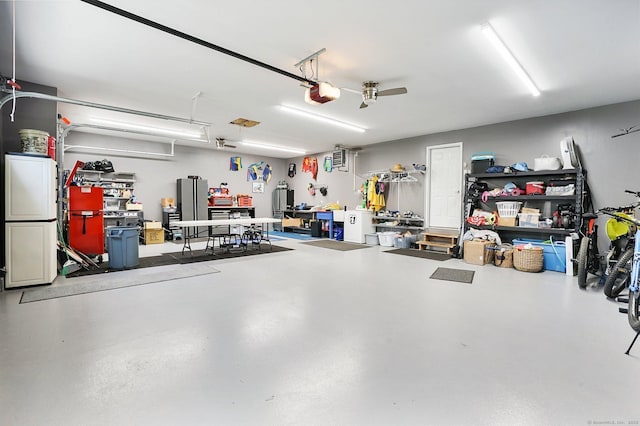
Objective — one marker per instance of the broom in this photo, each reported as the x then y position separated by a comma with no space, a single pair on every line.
67,266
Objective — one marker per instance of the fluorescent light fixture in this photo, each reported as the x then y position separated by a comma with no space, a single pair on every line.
322,118
506,54
272,147
159,130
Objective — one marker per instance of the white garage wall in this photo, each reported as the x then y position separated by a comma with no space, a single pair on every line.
611,163
156,178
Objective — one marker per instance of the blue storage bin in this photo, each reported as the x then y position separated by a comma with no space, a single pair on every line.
554,253
338,233
122,244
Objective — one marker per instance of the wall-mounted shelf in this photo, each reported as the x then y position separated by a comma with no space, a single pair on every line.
387,175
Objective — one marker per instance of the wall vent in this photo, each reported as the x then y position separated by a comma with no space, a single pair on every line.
339,158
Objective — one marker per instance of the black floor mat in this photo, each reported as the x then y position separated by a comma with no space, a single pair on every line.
425,254
178,258
451,274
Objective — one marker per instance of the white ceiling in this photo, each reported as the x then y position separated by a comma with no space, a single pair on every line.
580,53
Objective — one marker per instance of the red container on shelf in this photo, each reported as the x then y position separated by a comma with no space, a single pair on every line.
244,200
535,188
51,147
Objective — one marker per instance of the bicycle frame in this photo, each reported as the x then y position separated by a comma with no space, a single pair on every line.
634,284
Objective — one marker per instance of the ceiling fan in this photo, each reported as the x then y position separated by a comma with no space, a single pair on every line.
370,92
221,143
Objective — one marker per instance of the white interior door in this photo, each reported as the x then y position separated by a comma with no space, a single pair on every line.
444,186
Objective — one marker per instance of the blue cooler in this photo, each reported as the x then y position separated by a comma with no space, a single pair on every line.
554,253
122,245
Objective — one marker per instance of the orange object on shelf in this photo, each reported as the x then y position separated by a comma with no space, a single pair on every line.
244,200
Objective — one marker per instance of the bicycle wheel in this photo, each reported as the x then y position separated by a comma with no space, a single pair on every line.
634,310
618,278
583,261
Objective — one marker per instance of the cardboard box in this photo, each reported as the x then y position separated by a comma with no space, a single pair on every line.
507,221
131,206
152,225
478,252
154,236
296,222
168,202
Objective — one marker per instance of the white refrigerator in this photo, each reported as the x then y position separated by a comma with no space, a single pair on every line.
30,220
357,223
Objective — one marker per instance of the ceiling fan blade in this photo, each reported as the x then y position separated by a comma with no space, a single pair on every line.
396,91
363,105
226,145
626,132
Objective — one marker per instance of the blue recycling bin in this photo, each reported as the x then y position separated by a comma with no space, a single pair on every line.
338,233
122,245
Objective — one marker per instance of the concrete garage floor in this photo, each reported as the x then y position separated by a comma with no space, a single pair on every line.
321,337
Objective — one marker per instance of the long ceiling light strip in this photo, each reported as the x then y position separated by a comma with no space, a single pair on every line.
322,118
506,54
272,147
153,130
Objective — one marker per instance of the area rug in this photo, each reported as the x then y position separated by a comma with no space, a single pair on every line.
177,258
450,274
114,280
425,254
336,245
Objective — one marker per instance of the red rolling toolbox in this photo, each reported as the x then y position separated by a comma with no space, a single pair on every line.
86,223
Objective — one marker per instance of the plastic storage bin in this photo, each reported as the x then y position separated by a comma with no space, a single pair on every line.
386,238
404,241
371,239
123,247
554,253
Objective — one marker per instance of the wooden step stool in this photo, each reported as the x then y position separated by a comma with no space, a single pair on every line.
439,240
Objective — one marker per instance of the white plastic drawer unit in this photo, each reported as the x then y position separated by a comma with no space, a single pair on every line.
30,188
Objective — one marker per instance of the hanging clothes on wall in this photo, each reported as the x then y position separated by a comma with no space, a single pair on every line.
253,170
375,194
363,194
235,164
306,164
328,164
266,173
314,168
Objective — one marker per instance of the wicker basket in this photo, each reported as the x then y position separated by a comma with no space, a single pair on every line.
529,259
503,256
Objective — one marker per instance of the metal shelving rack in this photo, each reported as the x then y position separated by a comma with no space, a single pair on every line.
497,179
119,216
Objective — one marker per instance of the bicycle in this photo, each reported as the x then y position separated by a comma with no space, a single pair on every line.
627,271
620,233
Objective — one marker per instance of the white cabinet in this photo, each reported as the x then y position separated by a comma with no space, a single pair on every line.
30,253
30,192
357,223
30,220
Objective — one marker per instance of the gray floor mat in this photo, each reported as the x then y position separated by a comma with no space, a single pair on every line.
115,280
